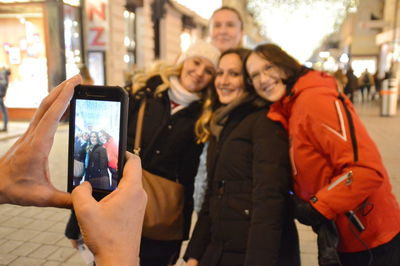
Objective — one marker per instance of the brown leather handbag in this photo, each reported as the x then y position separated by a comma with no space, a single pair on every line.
163,219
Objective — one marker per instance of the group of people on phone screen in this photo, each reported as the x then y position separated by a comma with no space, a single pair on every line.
95,159
265,140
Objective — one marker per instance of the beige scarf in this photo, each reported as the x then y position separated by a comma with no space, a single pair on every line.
221,115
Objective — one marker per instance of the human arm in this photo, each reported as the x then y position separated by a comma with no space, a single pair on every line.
200,181
201,235
25,176
355,164
112,228
270,187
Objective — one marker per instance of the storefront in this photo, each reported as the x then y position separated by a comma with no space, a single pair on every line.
37,49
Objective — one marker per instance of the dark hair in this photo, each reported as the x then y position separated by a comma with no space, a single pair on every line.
90,136
232,10
105,134
282,60
243,54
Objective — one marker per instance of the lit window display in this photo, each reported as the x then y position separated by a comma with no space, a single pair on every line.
23,52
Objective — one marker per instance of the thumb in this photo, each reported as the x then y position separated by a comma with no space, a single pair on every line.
82,196
132,175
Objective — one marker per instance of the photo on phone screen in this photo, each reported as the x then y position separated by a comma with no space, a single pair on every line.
96,142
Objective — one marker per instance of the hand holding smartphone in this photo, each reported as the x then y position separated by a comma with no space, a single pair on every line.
97,137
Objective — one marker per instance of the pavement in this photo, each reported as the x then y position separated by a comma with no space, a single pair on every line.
15,129
35,236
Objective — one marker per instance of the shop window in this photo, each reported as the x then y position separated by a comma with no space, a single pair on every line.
23,52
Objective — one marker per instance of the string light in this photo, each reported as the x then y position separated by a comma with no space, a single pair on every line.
299,26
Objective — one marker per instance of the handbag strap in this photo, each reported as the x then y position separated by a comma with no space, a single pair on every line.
139,127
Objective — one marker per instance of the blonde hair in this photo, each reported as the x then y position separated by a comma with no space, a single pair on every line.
161,69
202,126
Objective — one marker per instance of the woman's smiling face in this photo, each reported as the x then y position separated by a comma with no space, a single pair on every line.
197,72
229,80
267,79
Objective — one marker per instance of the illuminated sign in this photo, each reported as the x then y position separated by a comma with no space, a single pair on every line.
96,14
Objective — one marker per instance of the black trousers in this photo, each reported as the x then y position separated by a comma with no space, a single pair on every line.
384,255
159,253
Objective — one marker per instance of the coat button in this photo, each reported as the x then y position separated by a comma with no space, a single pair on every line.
169,127
247,212
158,152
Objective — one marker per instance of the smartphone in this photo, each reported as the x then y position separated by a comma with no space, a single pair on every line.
97,137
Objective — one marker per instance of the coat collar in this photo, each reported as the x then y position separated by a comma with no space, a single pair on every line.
280,111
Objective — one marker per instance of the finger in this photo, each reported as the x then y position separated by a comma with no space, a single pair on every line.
82,196
46,103
132,174
47,126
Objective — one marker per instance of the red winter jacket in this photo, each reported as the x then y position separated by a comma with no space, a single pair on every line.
336,164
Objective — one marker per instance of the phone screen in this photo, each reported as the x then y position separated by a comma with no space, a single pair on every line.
96,142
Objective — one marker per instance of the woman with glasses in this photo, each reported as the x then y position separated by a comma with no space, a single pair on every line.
339,178
245,218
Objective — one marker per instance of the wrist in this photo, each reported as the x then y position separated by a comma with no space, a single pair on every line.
112,259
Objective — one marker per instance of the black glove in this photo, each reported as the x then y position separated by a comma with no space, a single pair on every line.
328,238
327,241
305,213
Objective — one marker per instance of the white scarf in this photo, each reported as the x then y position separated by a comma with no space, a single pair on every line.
178,94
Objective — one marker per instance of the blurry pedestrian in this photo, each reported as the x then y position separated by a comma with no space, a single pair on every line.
351,85
378,85
4,80
341,185
365,81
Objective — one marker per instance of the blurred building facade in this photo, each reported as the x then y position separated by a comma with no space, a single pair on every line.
45,42
369,38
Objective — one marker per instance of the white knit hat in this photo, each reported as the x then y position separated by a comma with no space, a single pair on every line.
202,49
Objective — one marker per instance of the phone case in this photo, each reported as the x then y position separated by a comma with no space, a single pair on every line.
97,137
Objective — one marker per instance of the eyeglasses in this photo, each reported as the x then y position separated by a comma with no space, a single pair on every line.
256,76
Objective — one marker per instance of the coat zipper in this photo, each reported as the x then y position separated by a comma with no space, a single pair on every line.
347,176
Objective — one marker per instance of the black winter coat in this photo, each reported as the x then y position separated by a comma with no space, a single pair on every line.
245,218
98,163
168,146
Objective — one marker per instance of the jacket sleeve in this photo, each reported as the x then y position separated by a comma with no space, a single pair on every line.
201,234
271,184
202,231
357,166
187,171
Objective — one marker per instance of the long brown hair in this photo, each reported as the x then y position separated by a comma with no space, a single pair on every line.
211,103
